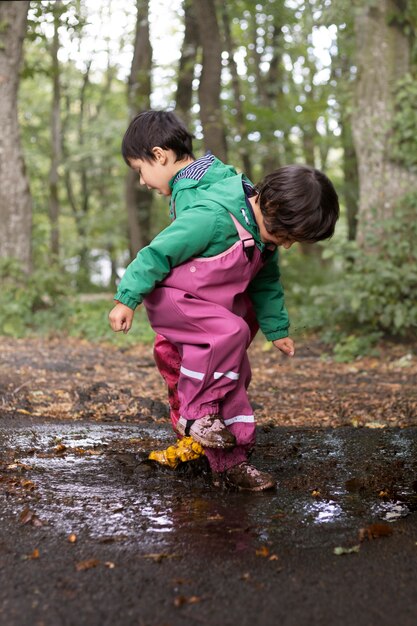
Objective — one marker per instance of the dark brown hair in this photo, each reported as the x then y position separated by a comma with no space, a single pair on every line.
300,202
156,128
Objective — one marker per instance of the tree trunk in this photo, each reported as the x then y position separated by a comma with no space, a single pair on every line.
350,175
187,63
15,198
269,89
241,126
54,208
210,80
139,200
383,57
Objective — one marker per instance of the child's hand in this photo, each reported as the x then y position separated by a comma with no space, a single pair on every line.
286,345
121,318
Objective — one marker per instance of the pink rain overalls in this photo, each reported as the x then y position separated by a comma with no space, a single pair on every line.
205,323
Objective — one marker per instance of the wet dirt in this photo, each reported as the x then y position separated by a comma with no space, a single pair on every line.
92,533
156,546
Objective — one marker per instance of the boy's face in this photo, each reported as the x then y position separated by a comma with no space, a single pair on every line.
283,239
154,174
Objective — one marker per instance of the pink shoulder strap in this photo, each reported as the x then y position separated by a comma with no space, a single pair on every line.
245,236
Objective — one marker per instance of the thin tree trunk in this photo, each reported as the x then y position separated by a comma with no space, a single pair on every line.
269,89
83,277
341,75
351,183
15,198
210,80
138,199
238,98
54,209
187,64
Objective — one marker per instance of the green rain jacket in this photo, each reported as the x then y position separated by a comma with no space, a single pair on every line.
202,228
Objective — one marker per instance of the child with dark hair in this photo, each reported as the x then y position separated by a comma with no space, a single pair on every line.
211,277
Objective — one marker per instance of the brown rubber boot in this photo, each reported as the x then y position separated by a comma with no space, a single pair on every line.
246,477
210,431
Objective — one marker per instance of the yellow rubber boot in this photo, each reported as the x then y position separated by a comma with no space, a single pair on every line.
186,449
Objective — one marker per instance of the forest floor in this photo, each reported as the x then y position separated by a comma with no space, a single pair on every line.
94,534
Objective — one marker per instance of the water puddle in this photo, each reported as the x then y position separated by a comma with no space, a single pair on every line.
94,478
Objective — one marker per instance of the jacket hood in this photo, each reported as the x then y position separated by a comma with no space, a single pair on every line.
217,172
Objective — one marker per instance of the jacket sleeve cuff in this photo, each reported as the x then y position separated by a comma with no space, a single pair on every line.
278,334
126,299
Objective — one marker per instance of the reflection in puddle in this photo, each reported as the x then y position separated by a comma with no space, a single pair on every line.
391,511
401,445
156,508
323,512
160,521
334,444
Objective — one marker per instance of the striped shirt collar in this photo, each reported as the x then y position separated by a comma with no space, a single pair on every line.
196,169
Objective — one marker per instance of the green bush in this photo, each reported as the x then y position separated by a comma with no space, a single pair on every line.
89,320
31,301
403,148
45,303
373,293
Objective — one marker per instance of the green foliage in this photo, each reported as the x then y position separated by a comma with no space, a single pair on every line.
45,303
92,220
29,302
286,92
89,320
404,137
350,347
299,275
373,293
404,16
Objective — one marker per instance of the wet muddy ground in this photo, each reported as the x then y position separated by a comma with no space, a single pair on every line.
92,533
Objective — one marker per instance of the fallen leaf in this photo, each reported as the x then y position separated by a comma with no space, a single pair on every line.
181,581
278,515
263,551
29,517
81,566
158,557
72,538
181,600
373,531
28,484
35,554
374,425
20,466
316,493
341,550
